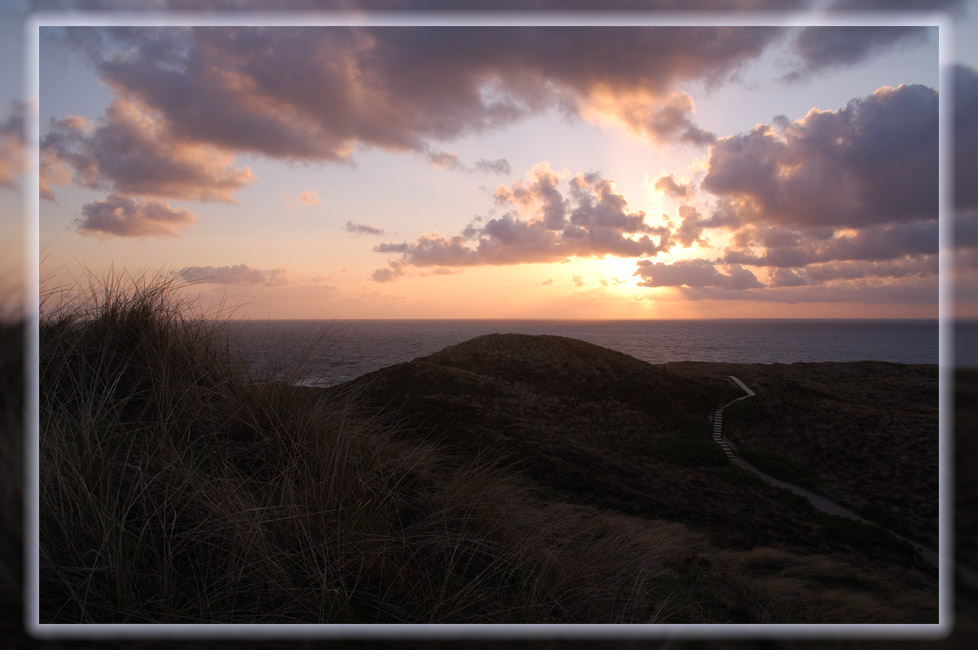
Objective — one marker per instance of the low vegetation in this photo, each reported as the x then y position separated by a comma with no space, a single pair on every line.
863,434
175,487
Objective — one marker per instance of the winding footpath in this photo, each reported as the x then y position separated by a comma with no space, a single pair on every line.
817,500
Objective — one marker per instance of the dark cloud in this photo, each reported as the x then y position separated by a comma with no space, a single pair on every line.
875,244
787,278
920,266
826,47
314,93
121,216
363,229
540,225
966,230
695,273
965,81
911,291
133,152
872,162
668,185
237,274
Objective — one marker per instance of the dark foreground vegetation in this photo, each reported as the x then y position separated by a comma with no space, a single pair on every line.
508,479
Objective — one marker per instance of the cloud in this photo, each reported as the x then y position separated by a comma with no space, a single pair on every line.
872,162
237,274
451,162
389,273
824,47
307,197
540,224
121,216
920,266
498,166
666,119
446,161
189,99
132,151
668,186
362,228
965,82
577,280
694,273
316,93
691,230
547,282
787,278
876,243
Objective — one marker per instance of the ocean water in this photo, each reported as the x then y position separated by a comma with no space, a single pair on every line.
324,353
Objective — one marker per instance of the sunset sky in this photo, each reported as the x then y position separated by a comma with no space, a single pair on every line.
505,172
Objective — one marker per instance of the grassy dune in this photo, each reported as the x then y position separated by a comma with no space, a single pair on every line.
863,434
175,487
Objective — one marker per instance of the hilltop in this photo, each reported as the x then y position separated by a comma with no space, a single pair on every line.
593,426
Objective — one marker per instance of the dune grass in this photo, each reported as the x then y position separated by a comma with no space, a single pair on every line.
175,487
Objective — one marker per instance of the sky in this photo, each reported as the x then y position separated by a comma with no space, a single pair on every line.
507,172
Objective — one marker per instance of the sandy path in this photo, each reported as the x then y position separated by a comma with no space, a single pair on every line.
817,500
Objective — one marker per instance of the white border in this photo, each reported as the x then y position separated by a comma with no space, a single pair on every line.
34,628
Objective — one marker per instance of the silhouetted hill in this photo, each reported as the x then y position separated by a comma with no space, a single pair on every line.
594,426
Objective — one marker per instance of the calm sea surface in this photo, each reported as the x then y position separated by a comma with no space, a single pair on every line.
323,353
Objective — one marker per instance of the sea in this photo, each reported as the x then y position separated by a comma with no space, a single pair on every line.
326,353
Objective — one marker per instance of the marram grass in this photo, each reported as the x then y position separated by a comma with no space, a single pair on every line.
175,488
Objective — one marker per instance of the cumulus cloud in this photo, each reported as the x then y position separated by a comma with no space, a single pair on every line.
577,280
131,151
695,273
363,229
121,216
872,162
667,185
236,274
540,224
691,230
